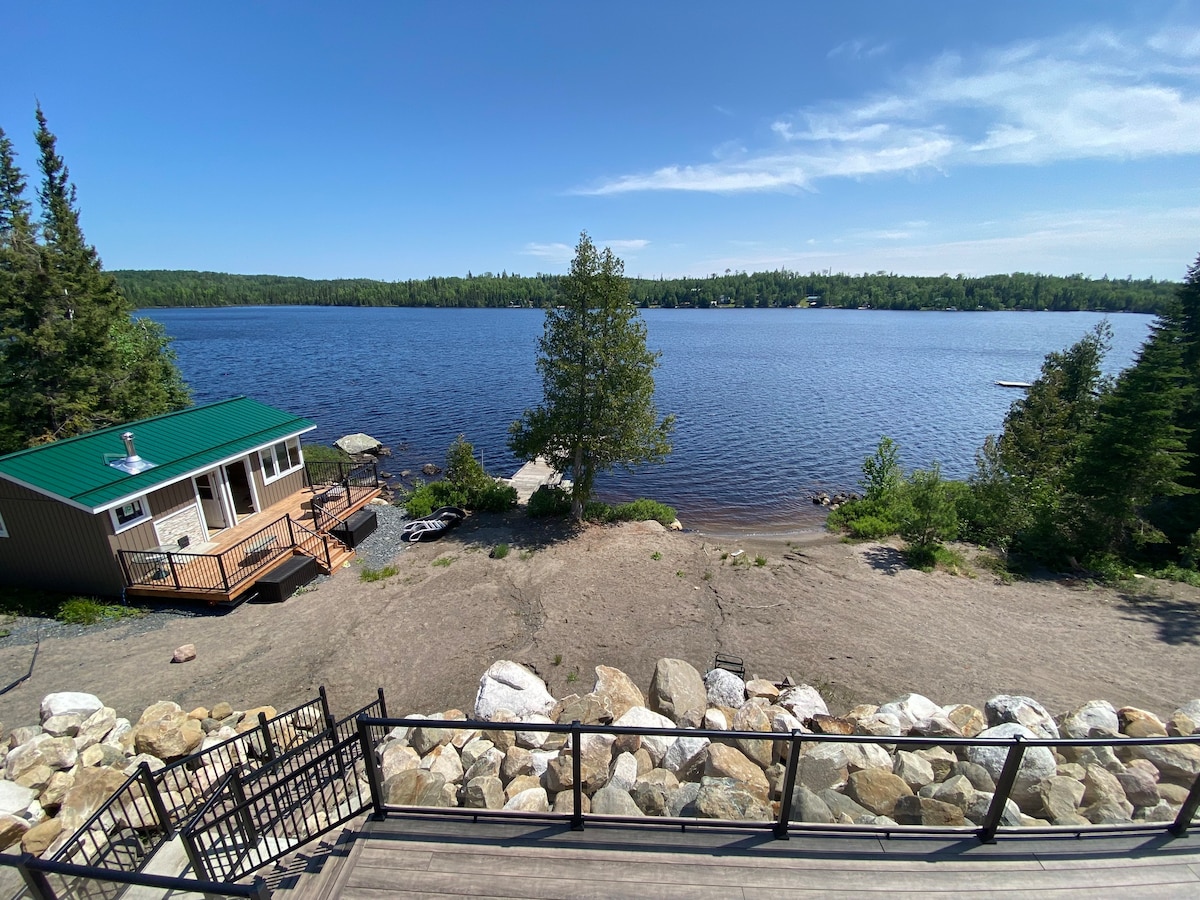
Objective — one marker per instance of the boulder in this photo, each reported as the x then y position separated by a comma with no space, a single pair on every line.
415,787
90,789
915,770
623,773
184,653
1007,708
619,689
1139,780
509,686
685,757
842,808
723,688
169,736
1080,722
43,750
611,800
12,829
397,758
69,702
752,717
823,724
532,799
641,717
444,761
803,701
1173,761
486,764
729,799
1061,798
1036,764
677,691
519,784
808,807
912,810
723,761
63,726
970,721
910,709
879,724
37,840
355,444
957,790
1138,723
760,687
818,771
95,728
590,709
979,777
15,799
876,790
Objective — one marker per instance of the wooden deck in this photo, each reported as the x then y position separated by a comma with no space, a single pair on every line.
411,857
532,476
297,505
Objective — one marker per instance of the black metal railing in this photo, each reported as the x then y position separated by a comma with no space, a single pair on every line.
332,500
41,876
222,572
995,813
314,544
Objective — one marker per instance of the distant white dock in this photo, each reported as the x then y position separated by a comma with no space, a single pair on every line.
532,476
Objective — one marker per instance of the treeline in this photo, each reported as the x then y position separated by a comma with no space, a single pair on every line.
147,289
1088,472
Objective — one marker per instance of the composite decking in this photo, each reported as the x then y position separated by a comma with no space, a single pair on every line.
427,857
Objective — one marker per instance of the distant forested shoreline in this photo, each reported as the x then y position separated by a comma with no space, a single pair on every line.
165,288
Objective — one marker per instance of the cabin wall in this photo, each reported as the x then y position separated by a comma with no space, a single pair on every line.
55,547
166,525
278,490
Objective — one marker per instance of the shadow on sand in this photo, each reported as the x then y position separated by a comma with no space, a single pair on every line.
1177,621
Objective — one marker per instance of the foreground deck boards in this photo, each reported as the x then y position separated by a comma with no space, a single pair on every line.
404,858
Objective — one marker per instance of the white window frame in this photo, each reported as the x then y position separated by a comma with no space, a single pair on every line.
268,459
3,528
115,514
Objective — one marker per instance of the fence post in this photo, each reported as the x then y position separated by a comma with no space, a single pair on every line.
195,857
382,704
221,569
261,891
576,778
326,714
1188,811
174,571
35,881
1004,786
291,532
372,767
789,786
244,816
268,744
150,786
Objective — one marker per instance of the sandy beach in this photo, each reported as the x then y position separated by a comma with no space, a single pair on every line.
851,619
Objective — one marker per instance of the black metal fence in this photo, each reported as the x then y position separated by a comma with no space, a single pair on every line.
337,488
76,882
996,812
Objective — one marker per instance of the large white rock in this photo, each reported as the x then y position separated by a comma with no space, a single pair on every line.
724,689
511,686
910,709
1037,763
15,799
1023,711
803,701
358,443
65,703
654,744
1079,722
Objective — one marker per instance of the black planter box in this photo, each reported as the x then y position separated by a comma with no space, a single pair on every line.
358,527
279,584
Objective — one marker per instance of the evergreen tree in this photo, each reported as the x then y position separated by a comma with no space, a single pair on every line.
73,359
597,380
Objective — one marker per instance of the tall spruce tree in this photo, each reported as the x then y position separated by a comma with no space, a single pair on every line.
597,380
72,358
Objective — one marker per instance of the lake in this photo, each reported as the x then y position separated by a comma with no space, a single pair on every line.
771,404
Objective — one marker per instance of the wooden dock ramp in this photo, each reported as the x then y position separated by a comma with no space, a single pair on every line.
532,476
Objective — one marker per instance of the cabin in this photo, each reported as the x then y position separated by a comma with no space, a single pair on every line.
207,504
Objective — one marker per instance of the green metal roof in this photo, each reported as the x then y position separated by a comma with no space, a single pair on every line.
180,444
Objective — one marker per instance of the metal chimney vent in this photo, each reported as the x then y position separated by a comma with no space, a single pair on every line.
130,463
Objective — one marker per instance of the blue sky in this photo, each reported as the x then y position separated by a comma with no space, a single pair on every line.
402,140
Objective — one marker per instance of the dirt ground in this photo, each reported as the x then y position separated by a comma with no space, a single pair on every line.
850,619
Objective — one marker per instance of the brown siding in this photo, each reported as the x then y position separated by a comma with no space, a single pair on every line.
281,489
54,546
162,502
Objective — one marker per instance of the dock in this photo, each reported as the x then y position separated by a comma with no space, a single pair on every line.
532,476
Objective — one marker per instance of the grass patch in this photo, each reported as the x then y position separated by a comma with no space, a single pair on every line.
656,555
526,554
1173,572
572,677
499,551
929,557
760,560
325,453
378,574
90,611
997,565
443,561
558,659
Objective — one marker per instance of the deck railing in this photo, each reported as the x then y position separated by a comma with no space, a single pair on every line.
997,812
332,499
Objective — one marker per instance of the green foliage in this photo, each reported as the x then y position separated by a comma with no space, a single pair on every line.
928,557
656,556
928,518
1109,568
870,527
370,575
466,484
443,562
597,409
90,611
325,453
644,510
882,476
71,357
499,551
778,288
548,501
760,561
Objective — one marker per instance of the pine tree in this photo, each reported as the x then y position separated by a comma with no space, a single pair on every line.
597,381
73,359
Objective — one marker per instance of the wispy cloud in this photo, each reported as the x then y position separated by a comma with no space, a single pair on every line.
1093,95
858,49
624,246
564,253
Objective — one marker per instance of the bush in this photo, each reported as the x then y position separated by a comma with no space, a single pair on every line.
643,510
872,528
466,484
549,501
598,511
499,551
325,453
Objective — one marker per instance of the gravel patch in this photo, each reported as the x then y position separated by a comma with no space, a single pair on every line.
381,547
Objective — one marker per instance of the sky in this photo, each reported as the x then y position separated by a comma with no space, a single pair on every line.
397,140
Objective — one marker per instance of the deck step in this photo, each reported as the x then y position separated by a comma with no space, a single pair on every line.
316,871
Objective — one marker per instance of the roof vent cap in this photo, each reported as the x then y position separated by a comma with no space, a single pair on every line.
130,463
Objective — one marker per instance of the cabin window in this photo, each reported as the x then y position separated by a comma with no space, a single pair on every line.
280,459
129,514
3,528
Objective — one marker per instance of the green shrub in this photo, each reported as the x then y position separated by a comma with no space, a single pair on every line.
90,611
466,484
872,528
549,501
598,511
493,497
760,561
1109,567
499,551
644,510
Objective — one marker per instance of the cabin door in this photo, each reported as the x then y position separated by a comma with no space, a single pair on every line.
208,489
241,494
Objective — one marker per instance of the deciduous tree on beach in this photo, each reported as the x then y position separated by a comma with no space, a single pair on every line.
598,409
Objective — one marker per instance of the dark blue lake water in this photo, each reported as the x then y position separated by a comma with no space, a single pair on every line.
771,404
